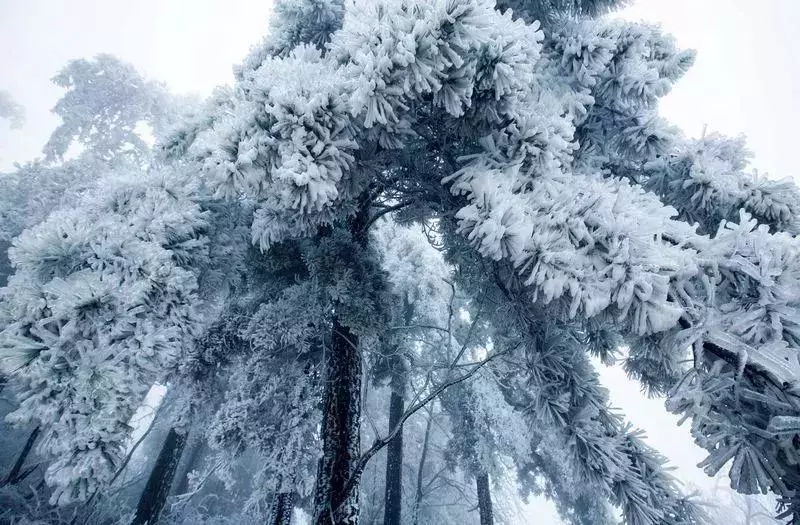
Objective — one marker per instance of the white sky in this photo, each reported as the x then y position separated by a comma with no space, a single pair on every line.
746,80
190,45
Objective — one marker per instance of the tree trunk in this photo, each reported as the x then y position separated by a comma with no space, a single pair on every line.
421,469
155,493
194,453
14,474
281,511
5,265
336,495
393,499
484,499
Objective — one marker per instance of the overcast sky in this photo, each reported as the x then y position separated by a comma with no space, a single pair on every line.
746,80
743,82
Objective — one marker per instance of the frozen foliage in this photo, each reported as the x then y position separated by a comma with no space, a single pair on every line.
580,467
30,193
579,445
88,276
547,11
175,139
628,68
272,408
538,181
271,404
706,180
102,304
416,270
571,217
106,131
737,415
294,23
484,428
11,110
307,163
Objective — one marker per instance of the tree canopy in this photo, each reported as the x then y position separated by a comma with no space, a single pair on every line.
464,201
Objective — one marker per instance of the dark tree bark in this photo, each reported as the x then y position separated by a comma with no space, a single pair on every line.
281,511
336,495
393,499
155,492
14,475
5,265
484,499
182,474
421,470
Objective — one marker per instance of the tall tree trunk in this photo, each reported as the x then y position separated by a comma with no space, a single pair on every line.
281,511
182,474
14,474
393,499
5,265
155,492
336,495
484,499
421,470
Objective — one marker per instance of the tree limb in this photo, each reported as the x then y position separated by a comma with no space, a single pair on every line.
382,442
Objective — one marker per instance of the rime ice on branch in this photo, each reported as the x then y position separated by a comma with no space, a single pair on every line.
534,155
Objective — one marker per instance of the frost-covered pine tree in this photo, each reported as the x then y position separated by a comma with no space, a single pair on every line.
107,109
105,113
525,140
90,131
535,135
100,306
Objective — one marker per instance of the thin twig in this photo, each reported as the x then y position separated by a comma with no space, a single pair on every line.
125,462
414,326
381,443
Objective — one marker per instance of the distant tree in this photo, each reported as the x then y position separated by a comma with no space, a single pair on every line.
11,110
106,104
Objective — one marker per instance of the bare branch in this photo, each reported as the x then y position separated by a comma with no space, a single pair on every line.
382,442
414,326
384,211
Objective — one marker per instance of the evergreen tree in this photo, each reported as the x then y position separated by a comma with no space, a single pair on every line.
35,189
99,308
527,155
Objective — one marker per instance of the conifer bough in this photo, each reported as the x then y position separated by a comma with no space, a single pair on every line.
532,146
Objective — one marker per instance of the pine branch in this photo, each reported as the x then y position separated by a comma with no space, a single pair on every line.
386,210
